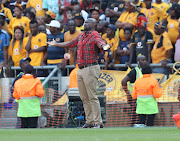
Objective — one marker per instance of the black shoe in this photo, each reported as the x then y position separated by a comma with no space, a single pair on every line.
98,126
87,126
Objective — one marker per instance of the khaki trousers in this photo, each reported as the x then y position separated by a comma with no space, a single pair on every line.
87,85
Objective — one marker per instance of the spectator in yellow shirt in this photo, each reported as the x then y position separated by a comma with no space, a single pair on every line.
16,48
3,20
127,19
79,20
36,45
152,14
112,40
162,50
161,5
70,35
19,20
36,4
173,22
6,11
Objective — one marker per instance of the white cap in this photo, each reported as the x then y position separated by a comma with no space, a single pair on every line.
54,23
2,14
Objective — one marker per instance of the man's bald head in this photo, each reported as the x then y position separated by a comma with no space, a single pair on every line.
141,60
90,24
141,57
101,26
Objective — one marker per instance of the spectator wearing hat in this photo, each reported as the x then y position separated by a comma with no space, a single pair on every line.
77,9
95,13
49,16
36,46
3,20
78,19
111,39
6,11
52,5
12,4
54,55
37,5
19,20
142,41
101,27
127,19
114,10
16,48
96,4
4,43
162,50
70,35
22,63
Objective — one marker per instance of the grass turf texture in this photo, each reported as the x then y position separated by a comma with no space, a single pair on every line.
105,134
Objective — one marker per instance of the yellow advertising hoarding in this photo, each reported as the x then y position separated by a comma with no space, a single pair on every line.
111,80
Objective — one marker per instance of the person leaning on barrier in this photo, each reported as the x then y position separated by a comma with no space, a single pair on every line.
131,77
28,90
88,45
146,90
162,49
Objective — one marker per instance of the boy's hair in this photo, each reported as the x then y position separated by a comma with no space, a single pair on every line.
128,29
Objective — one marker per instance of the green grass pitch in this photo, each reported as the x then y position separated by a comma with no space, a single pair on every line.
105,134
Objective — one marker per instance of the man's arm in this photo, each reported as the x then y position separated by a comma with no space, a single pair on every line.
70,44
132,48
5,54
149,52
28,45
125,88
119,24
40,49
168,56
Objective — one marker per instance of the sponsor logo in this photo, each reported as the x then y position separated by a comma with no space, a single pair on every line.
106,79
173,88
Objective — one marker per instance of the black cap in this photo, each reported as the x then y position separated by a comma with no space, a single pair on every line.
96,1
23,60
74,2
113,27
95,8
78,15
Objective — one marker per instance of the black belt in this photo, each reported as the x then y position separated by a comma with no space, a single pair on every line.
87,65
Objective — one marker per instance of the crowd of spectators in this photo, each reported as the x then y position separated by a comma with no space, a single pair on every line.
130,27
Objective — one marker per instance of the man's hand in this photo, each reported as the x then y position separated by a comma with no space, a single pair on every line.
52,43
42,63
112,64
30,35
128,64
164,63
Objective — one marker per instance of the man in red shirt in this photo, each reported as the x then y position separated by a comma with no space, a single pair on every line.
88,73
